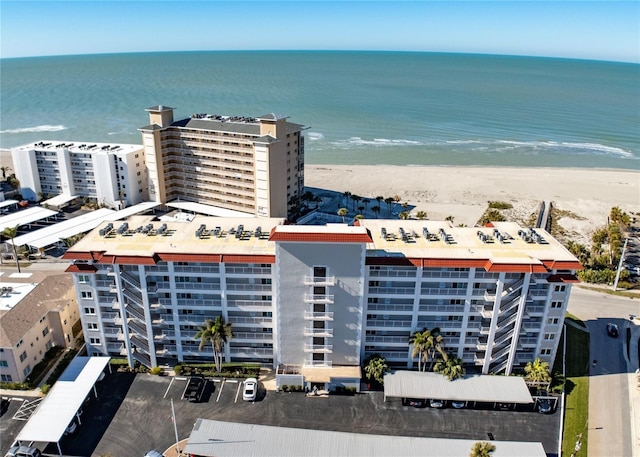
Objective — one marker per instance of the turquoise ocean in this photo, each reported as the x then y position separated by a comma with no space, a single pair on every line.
359,107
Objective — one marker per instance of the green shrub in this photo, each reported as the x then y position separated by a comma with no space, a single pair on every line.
284,387
156,371
177,369
118,362
350,390
500,205
40,370
14,385
45,389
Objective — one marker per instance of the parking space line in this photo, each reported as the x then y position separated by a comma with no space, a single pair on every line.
167,391
220,391
238,392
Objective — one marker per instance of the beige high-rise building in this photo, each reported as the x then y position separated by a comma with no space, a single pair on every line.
246,164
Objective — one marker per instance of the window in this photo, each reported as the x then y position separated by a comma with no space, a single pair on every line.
23,356
45,331
94,341
6,378
19,344
92,326
556,304
89,310
27,370
3,363
86,294
83,279
560,288
549,336
42,319
545,352
552,321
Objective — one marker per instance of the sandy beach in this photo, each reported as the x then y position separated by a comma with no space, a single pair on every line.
463,192
587,195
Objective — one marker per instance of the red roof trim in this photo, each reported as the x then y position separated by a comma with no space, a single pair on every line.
249,258
174,257
321,237
77,255
514,268
81,268
454,263
562,264
397,261
563,278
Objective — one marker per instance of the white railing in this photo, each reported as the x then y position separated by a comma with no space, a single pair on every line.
322,316
318,298
387,323
318,363
320,280
326,348
318,331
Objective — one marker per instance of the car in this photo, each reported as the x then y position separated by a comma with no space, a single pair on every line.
23,451
545,407
153,453
71,428
436,403
416,402
194,389
612,330
458,404
250,390
504,406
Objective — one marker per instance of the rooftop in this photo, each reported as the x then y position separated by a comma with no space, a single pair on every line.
79,147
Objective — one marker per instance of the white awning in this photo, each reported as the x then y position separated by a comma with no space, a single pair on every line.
483,388
58,408
6,203
25,216
59,200
47,236
208,210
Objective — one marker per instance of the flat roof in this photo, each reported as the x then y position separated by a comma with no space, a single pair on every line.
52,234
59,200
79,147
58,408
207,210
211,438
483,388
19,290
131,210
9,202
25,216
326,374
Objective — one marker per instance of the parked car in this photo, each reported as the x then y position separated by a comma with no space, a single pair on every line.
612,330
458,404
23,451
194,389
436,403
250,391
71,428
153,453
504,406
4,405
545,407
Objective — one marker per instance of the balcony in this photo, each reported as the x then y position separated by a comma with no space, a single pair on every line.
320,280
328,332
318,298
318,363
311,316
388,323
325,348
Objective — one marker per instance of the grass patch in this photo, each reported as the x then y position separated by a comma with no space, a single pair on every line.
500,205
577,390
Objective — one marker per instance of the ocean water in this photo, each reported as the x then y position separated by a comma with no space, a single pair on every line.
359,107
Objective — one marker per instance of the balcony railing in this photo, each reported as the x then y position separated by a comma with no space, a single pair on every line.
321,316
318,331
318,363
326,348
318,298
249,287
388,323
320,280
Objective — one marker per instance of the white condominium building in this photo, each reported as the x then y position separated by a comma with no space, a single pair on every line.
111,174
322,297
246,164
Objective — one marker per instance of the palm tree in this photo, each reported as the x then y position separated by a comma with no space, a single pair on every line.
482,449
435,344
420,347
5,170
451,367
11,232
346,194
389,201
537,371
366,201
449,218
343,212
375,368
421,215
376,210
356,199
307,197
218,333
317,199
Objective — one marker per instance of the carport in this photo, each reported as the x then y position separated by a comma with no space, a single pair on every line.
56,411
25,217
477,388
59,201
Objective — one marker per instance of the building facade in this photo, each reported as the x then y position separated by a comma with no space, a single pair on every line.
251,165
114,175
31,322
322,296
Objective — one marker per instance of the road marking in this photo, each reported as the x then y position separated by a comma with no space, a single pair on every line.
167,391
237,393
220,391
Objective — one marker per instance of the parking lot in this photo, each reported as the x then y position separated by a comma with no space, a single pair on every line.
133,415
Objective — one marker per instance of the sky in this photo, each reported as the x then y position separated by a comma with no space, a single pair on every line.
607,30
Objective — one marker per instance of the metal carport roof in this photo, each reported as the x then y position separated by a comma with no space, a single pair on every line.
131,210
483,388
58,200
25,216
57,409
208,210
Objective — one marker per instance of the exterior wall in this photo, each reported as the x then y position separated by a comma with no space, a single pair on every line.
105,172
26,170
297,299
153,155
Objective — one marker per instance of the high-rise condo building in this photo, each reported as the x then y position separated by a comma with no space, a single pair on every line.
321,299
251,165
114,175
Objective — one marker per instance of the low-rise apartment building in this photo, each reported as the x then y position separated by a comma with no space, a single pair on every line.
114,175
322,296
254,165
34,318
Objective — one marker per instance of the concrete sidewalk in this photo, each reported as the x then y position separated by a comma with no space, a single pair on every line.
633,380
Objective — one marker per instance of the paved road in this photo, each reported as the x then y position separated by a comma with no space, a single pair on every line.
610,416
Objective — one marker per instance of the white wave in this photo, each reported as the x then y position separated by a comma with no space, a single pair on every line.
36,129
314,136
586,147
358,141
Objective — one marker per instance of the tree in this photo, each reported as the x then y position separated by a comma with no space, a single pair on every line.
379,199
419,342
435,345
376,210
307,197
11,232
449,218
356,199
451,367
537,371
13,181
421,215
343,212
482,449
389,202
5,170
404,215
366,201
346,194
218,333
375,368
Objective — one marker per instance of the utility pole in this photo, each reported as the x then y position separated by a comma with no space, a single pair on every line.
175,427
615,283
